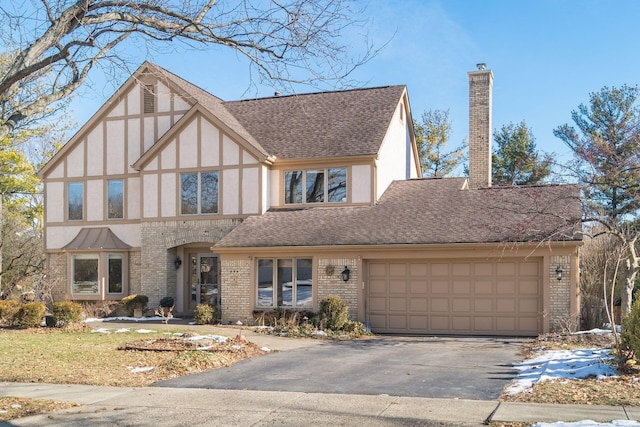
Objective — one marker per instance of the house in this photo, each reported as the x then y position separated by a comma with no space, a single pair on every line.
278,202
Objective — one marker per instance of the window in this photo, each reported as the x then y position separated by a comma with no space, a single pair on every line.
114,273
149,99
75,201
91,272
85,274
115,199
293,282
199,193
320,186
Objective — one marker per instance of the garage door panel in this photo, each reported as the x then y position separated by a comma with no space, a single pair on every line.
398,304
378,286
461,287
440,323
529,287
439,305
418,323
528,305
461,324
461,305
398,322
505,305
483,324
397,286
418,305
483,305
455,297
439,287
418,287
378,304
418,270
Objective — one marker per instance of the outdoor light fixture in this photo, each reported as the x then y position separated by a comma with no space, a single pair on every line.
177,262
345,273
559,272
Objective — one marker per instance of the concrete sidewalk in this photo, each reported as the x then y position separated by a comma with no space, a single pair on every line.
113,406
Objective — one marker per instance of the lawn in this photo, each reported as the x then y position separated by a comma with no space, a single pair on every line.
93,358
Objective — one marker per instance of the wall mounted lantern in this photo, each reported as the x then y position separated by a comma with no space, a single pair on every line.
559,272
345,273
177,262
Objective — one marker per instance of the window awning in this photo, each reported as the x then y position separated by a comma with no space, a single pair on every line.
96,238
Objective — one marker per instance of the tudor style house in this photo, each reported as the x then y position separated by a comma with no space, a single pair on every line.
278,202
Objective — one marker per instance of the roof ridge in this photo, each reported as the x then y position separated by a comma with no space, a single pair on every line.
305,94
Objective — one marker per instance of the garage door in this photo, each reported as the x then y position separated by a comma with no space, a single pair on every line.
455,297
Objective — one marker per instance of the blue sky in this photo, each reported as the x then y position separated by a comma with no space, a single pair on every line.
546,56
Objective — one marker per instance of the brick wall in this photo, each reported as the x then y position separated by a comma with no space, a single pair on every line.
57,266
332,284
559,312
236,290
159,241
480,86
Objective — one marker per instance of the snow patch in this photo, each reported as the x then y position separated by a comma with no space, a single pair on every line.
139,369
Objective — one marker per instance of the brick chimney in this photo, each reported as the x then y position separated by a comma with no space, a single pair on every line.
480,87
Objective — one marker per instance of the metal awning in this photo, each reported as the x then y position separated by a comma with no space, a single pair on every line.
96,238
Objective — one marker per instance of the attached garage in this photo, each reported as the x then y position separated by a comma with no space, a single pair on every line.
464,297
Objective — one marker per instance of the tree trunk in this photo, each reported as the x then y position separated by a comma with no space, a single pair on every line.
627,292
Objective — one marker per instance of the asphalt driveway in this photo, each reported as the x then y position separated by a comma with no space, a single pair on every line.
445,367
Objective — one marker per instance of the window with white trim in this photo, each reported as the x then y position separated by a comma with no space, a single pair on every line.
327,185
199,193
285,282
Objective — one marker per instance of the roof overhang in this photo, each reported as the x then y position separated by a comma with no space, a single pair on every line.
96,239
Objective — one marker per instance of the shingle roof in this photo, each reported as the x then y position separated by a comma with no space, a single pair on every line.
327,124
423,211
212,103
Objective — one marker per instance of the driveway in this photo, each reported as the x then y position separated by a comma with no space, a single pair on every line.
445,367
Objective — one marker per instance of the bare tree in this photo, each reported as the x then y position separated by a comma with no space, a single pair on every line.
59,41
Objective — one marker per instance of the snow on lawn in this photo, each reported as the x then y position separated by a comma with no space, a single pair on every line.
562,364
589,423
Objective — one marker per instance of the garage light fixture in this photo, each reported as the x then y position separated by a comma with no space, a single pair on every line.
559,272
345,273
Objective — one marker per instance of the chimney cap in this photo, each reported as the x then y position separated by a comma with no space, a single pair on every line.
277,93
481,66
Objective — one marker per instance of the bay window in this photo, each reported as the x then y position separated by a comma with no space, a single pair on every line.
315,186
285,282
98,275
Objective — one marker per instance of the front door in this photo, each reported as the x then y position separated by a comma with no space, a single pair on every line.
204,283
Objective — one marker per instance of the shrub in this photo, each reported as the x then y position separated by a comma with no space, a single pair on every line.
166,302
204,314
67,313
134,301
630,334
8,310
30,314
334,312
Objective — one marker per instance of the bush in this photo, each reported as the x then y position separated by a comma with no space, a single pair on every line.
630,334
30,314
8,310
67,313
134,301
166,302
204,314
334,312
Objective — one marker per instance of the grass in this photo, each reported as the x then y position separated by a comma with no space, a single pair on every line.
72,357
16,407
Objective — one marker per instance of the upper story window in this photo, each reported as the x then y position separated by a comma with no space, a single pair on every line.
315,186
199,193
75,201
149,101
115,199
